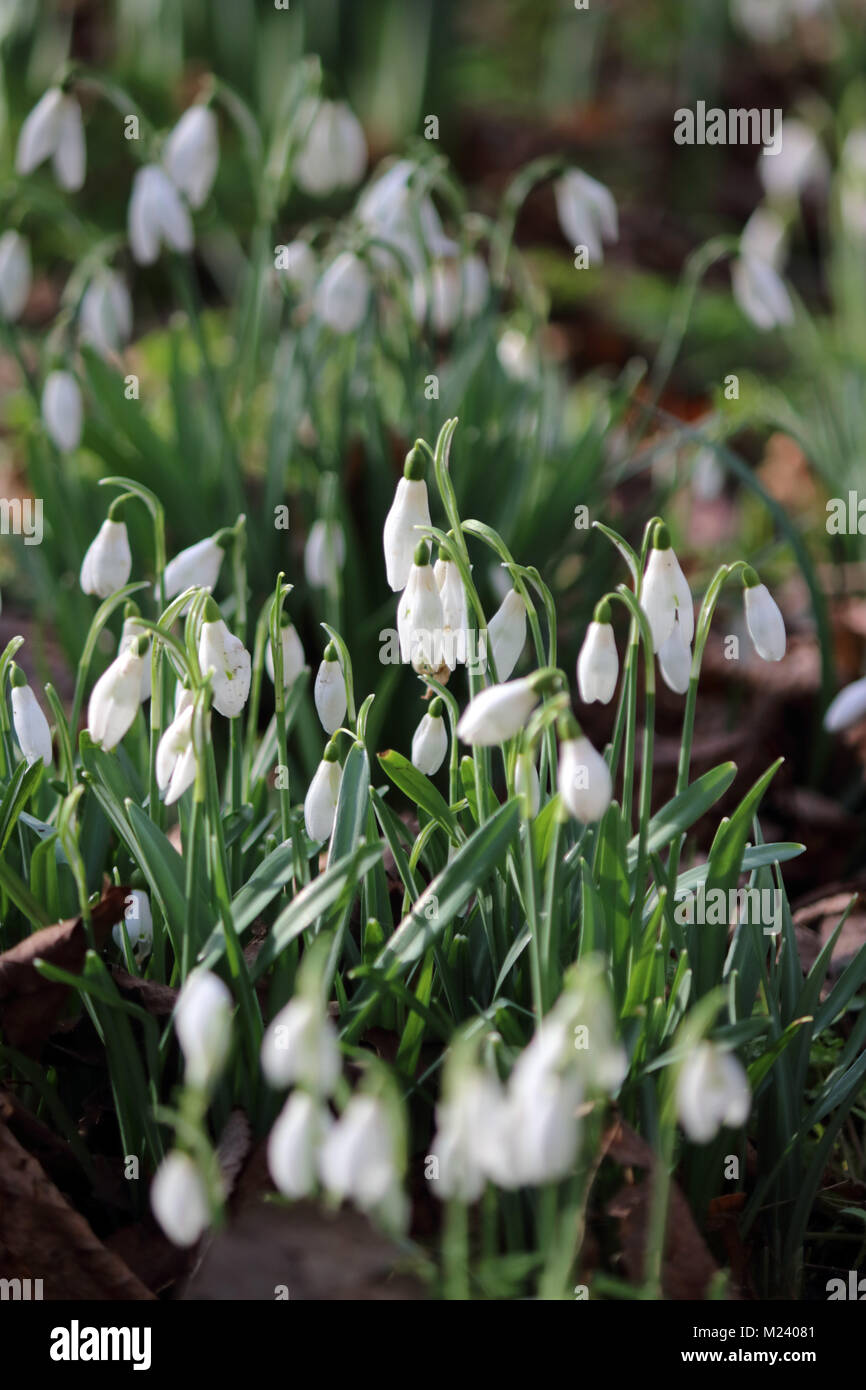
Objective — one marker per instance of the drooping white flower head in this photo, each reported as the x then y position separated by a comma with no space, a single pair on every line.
763,618
583,778
419,615
498,713
598,662
403,219
297,262
526,784
761,293
115,699
179,1200
196,566
712,1091
105,317
107,564
454,290
62,410
157,216
675,660
506,633
300,1048
132,630
473,1140
430,740
293,653
323,793
324,555
138,924
15,275
665,594
294,1143
848,708
334,152
409,510
28,721
587,212
203,1023
226,656
191,154
54,130
343,293
329,691
584,1012
517,355
455,620
175,753
800,163
764,238
546,1130
357,1159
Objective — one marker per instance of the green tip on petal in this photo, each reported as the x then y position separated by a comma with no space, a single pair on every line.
567,728
546,681
140,646
331,753
661,537
285,619
437,707
114,509
17,676
422,554
415,466
750,578
131,610
331,652
602,612
211,612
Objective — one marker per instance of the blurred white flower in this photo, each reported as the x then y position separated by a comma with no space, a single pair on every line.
294,1143
455,620
357,1159
191,154
293,654
343,293
54,130
761,293
107,564
847,708
473,1139
498,713
334,152
408,223
297,263
526,784
517,355
138,923
300,1048
157,216
325,555
712,1091
62,410
800,163
203,1023
764,238
178,1197
15,275
587,212
583,780
456,291
105,318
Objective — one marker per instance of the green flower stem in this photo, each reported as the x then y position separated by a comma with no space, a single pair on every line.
455,1251
276,610
640,623
530,888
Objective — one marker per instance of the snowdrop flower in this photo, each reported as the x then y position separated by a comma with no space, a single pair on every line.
473,1141
455,620
29,722
598,663
320,803
138,923
585,1015
324,555
506,633
62,410
708,476
545,1130
294,1142
453,290
847,709
394,214
175,753
105,317
583,777
107,564
329,691
764,238
517,356
799,162
115,699
763,618
300,1047
227,657
132,630
498,713
761,293
334,152
157,216
419,615
191,154
586,212
179,1199
409,510
203,1023
54,130
297,264
357,1159
675,661
197,566
712,1091
343,294
665,594
430,740
15,275
293,653
526,785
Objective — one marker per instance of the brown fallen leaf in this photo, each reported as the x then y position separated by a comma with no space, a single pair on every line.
43,1237
158,999
687,1267
30,1005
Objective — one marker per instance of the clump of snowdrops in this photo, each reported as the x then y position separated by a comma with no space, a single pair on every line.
523,945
